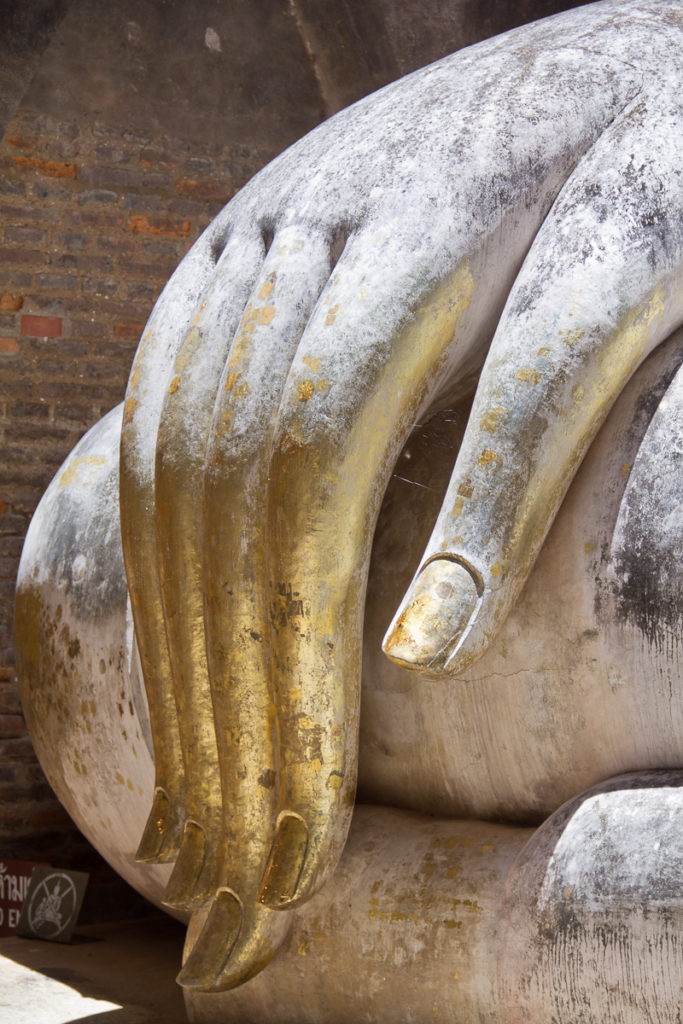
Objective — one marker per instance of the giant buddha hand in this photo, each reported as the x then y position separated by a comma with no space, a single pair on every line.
512,214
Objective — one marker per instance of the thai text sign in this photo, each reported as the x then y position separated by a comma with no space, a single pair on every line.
15,876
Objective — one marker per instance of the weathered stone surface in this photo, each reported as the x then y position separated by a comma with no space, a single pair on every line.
360,285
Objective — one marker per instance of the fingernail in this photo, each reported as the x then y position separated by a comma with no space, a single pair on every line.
160,840
211,952
433,617
182,891
285,863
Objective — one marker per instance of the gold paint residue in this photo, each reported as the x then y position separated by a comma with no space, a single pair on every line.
487,456
332,314
174,384
458,505
625,469
529,376
306,389
465,488
69,474
588,547
571,337
129,411
267,314
231,380
496,569
490,421
313,363
266,289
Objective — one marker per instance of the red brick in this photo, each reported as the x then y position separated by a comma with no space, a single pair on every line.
97,195
108,177
9,345
100,286
8,187
25,235
71,240
11,303
95,218
15,279
39,432
86,329
84,261
50,168
129,331
203,189
149,157
22,214
42,347
56,282
49,816
17,367
81,414
12,524
159,226
142,290
12,726
149,203
20,749
28,411
19,143
24,257
41,326
121,134
11,546
53,193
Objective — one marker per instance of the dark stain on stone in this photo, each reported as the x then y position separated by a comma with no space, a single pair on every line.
267,779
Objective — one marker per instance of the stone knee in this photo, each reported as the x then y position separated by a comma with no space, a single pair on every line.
594,909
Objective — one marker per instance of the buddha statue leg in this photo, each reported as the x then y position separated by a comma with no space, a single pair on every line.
455,921
593,913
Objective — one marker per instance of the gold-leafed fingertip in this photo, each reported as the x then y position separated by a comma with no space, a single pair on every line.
160,840
210,954
185,890
285,863
434,617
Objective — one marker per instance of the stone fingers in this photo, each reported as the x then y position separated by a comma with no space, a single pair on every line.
234,557
599,289
371,358
144,398
181,445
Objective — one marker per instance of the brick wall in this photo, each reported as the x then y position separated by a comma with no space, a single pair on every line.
94,219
